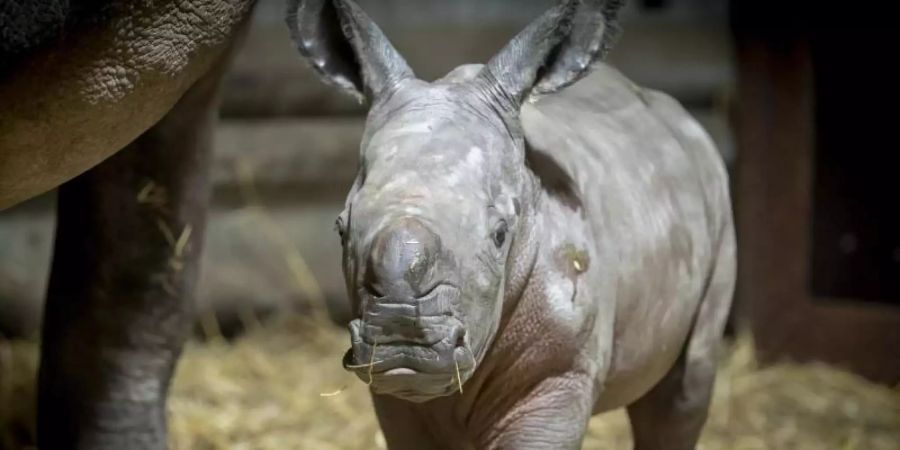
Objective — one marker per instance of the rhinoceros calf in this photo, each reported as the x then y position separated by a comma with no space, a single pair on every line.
519,266
115,101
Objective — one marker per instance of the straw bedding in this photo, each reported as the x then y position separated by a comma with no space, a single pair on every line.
281,387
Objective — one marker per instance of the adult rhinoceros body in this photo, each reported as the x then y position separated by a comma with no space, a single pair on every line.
115,99
516,267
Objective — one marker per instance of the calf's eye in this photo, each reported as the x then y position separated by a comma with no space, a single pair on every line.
499,235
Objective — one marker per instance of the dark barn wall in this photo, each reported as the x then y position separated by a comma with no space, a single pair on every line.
819,257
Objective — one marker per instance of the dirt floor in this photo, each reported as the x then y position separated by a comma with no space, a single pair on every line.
281,387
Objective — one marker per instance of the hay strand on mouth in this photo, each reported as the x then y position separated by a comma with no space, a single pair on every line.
458,378
372,362
362,366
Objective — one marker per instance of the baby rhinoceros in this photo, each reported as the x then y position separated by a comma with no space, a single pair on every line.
528,242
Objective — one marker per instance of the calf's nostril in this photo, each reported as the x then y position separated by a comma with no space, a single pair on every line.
373,290
370,284
347,360
461,338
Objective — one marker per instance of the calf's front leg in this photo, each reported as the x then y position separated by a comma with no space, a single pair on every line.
119,303
553,415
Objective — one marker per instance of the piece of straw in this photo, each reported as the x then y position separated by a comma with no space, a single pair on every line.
182,241
360,366
458,378
333,393
372,363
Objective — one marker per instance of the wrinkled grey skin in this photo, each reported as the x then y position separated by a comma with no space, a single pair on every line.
114,102
81,79
516,267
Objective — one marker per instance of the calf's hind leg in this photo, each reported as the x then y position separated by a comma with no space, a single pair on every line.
119,303
672,414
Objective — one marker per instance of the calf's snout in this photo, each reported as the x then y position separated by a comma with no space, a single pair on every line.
402,260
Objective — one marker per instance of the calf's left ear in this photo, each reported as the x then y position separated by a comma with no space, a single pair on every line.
345,47
556,50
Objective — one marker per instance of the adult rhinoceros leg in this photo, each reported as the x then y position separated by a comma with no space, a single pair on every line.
119,305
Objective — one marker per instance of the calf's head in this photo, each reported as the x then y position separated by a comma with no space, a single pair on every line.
431,224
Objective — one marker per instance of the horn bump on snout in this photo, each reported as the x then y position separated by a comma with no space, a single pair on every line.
402,259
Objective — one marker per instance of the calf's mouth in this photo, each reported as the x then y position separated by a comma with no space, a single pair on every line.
399,351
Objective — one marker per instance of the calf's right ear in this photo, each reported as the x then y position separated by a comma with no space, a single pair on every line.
554,51
346,48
